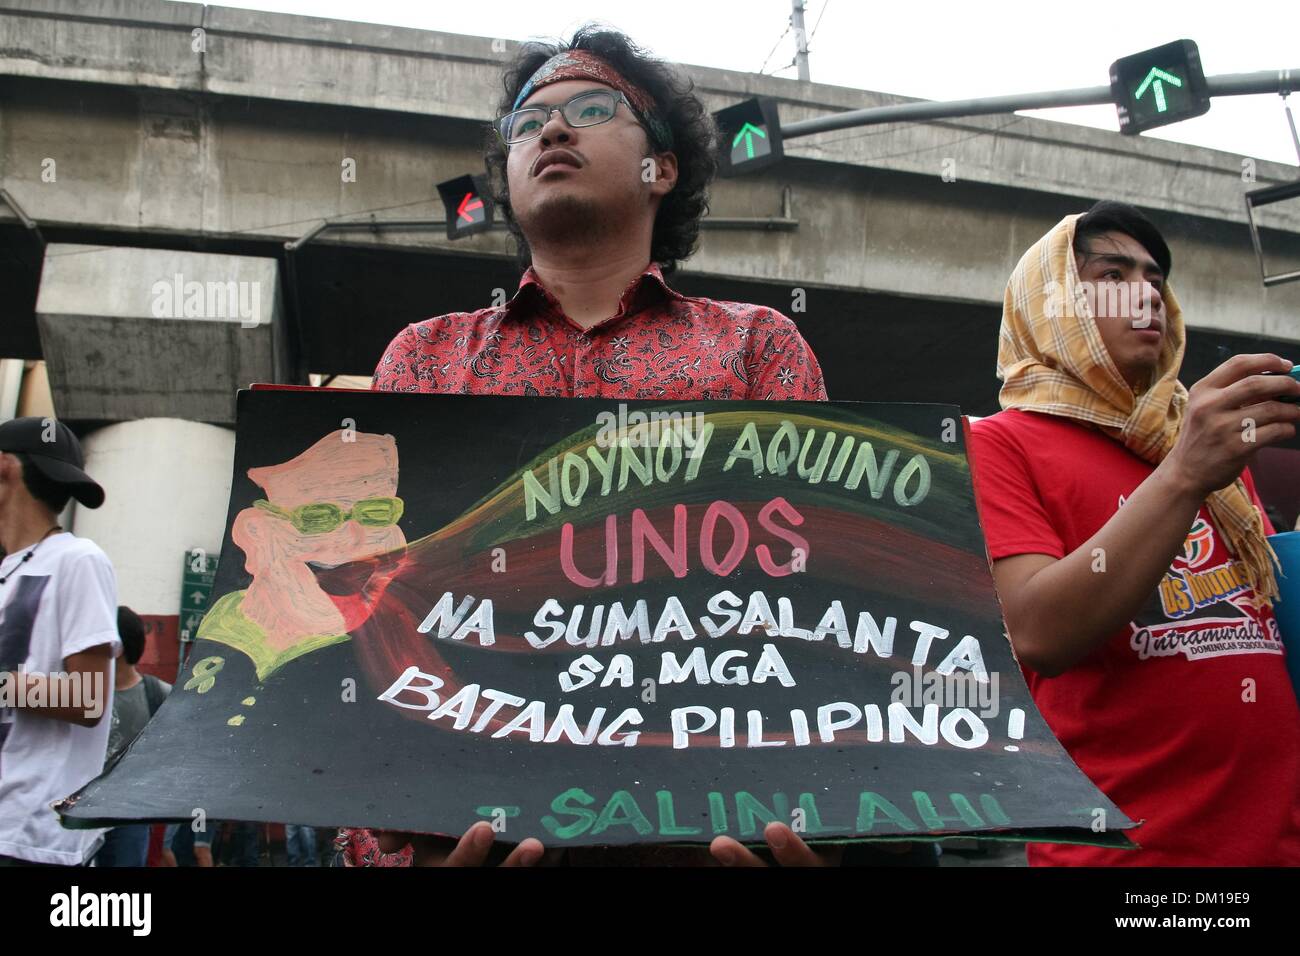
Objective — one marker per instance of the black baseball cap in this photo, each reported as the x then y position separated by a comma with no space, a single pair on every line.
52,448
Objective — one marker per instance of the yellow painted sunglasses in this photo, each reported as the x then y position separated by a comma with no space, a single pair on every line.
325,516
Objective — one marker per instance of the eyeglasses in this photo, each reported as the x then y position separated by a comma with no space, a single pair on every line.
324,516
586,109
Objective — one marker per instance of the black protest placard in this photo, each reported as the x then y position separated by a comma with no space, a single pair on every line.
603,623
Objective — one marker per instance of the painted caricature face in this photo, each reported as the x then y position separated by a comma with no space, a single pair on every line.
332,504
1123,284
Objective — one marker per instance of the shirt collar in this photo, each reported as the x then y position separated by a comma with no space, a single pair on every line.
648,285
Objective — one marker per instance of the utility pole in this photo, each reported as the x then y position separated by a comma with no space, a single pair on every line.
800,40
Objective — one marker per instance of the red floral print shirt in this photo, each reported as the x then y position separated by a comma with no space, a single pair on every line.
659,345
360,847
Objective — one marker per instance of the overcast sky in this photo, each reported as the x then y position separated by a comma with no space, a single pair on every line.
934,49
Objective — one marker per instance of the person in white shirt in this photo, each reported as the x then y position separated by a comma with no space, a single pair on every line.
58,641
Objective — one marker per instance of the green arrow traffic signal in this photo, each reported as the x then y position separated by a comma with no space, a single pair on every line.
1156,80
748,131
1156,87
749,136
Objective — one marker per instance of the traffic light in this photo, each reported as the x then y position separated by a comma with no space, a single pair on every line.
1159,86
749,136
469,210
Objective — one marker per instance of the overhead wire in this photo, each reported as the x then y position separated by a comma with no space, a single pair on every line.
774,46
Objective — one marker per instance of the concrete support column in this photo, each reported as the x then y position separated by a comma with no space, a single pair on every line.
133,333
166,484
11,383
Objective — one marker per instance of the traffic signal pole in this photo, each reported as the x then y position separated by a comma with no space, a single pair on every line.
1230,84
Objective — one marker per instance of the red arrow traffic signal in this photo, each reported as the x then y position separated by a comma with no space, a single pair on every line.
468,205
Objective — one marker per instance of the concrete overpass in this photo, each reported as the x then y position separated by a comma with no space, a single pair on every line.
200,129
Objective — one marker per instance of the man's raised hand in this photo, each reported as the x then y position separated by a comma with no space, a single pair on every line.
1232,413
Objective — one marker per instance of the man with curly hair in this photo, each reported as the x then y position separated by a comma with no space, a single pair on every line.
600,159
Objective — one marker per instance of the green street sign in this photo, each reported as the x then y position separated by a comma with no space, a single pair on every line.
199,571
1159,86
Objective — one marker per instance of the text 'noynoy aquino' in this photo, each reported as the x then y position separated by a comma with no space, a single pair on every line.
569,477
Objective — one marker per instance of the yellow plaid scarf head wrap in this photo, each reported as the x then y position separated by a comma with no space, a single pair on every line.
1051,359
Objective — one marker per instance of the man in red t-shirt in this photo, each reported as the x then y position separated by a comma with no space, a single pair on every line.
601,161
1127,545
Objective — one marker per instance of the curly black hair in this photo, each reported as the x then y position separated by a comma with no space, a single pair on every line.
694,134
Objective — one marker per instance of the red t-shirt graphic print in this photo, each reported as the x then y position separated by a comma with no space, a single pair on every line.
1204,606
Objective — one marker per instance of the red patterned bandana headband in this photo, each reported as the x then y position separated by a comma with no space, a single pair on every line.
585,65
